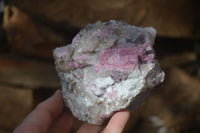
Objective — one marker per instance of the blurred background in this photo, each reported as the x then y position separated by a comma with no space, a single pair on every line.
30,30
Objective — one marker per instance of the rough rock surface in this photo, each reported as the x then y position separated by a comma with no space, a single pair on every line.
108,67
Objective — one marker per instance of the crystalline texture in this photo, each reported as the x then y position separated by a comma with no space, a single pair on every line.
108,67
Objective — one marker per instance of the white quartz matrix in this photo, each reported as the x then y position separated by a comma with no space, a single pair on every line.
108,67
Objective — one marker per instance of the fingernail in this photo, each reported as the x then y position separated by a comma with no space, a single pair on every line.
56,92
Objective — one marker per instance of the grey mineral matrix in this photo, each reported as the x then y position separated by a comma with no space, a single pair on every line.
109,66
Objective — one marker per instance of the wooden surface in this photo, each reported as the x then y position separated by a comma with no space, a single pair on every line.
28,73
15,104
173,18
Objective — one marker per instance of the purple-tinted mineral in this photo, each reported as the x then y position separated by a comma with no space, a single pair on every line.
108,67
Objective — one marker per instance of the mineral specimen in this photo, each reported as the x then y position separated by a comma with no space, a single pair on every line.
108,67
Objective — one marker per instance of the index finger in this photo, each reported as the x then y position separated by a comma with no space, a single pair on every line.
39,120
117,122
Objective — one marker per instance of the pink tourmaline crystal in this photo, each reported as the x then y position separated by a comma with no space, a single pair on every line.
108,67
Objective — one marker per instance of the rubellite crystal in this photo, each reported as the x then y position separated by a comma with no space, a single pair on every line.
108,67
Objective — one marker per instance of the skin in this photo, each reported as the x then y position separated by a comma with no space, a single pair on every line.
51,116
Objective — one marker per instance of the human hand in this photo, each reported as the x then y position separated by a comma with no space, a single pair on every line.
50,116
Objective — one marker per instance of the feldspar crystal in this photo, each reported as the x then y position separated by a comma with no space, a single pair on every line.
108,67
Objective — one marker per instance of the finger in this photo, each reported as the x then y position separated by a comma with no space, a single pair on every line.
87,128
63,124
39,120
117,122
